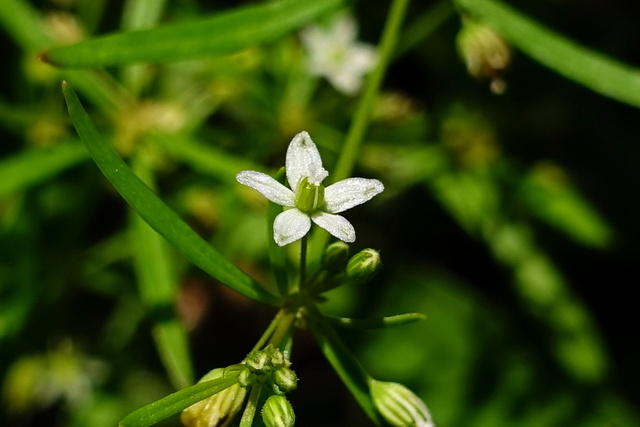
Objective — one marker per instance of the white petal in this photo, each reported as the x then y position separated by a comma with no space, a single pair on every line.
290,226
337,225
268,187
303,160
350,192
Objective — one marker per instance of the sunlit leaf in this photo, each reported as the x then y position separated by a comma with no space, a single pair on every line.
155,212
223,33
34,166
159,291
176,402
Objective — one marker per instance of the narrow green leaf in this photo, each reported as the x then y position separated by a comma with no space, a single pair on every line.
204,158
35,166
590,68
23,24
223,33
176,402
378,322
549,195
344,363
155,212
159,291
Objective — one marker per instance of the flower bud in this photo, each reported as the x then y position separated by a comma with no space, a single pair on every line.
363,265
399,405
485,52
286,379
217,410
277,412
335,256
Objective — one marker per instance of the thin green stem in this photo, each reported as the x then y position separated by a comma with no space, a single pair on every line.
355,135
269,331
282,329
252,405
422,27
303,261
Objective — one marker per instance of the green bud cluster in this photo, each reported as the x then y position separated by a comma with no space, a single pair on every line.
269,366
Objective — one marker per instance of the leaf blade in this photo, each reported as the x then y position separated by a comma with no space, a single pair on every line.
155,212
222,33
176,402
344,363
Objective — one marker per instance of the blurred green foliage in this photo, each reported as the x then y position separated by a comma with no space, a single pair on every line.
508,220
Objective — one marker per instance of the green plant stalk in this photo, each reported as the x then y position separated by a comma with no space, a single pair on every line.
139,15
426,24
159,290
31,167
576,62
303,261
252,405
277,255
348,368
355,135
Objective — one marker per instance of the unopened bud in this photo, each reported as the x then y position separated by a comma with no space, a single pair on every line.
399,405
335,257
217,410
286,379
277,412
486,54
363,265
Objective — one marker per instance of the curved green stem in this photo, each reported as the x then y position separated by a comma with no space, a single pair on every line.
351,146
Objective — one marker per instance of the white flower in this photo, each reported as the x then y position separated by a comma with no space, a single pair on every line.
335,54
308,199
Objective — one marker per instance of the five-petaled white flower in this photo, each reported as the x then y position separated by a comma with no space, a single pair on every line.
335,54
308,200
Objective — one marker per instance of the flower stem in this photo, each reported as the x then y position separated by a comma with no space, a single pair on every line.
252,404
351,146
303,261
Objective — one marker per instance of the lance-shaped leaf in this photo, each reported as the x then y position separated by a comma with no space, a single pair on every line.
377,322
158,215
159,288
176,402
344,363
32,167
222,33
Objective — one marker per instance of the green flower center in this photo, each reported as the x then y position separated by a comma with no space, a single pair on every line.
309,197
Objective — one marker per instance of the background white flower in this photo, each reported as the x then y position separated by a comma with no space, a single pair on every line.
308,199
335,53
